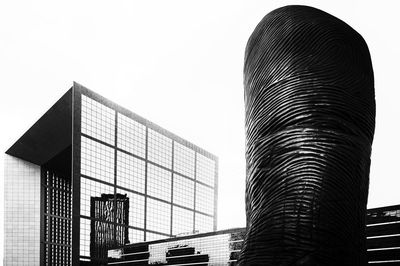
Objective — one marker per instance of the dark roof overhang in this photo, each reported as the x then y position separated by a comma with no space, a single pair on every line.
49,136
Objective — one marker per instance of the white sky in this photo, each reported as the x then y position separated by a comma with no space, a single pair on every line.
178,64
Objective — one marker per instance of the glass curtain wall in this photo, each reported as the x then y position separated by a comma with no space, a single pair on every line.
170,185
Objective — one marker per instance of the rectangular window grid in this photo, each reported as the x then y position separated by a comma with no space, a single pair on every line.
183,160
183,191
158,182
204,199
158,216
131,136
90,188
205,170
130,172
159,149
98,121
97,160
182,221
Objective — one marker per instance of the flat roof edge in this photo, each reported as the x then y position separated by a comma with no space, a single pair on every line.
129,113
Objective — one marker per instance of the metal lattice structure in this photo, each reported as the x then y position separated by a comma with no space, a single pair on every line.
56,218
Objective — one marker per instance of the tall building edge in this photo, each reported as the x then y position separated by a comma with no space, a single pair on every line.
76,170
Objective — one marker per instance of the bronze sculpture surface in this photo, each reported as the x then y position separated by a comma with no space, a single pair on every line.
310,119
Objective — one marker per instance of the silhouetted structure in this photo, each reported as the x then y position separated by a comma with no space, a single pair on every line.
310,118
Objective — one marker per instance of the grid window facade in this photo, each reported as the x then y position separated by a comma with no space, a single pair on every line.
142,173
136,208
183,160
159,149
203,223
98,121
183,191
97,160
131,136
182,221
89,189
158,182
204,199
205,170
158,216
130,172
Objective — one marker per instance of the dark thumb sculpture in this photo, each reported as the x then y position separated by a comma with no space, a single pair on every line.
310,118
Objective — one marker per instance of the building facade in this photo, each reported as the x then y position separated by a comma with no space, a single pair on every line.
223,247
106,177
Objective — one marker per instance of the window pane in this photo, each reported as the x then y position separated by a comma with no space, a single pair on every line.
97,160
203,223
158,216
182,221
98,121
158,182
204,199
160,149
205,170
183,191
183,160
130,172
131,136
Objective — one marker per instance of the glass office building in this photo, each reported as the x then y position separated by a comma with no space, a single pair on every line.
107,177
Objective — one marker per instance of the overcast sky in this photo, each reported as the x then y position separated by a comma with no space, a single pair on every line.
179,64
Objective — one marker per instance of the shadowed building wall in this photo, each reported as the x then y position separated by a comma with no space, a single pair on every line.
310,118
